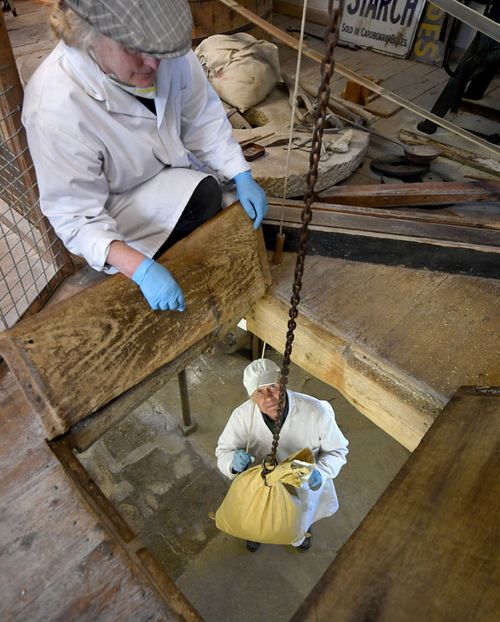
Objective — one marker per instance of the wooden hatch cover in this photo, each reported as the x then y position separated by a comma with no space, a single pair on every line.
73,358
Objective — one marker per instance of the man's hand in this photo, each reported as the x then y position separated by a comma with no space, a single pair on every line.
159,287
315,480
252,197
241,460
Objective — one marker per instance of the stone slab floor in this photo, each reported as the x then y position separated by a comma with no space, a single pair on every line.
165,486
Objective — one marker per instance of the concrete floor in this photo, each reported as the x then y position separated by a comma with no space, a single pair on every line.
165,486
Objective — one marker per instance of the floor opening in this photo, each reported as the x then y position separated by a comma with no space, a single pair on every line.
165,485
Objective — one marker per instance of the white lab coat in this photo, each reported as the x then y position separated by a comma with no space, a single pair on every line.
109,169
310,423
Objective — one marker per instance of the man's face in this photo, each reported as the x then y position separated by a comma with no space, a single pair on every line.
267,398
127,65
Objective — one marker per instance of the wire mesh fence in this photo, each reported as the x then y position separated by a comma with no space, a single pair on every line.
33,260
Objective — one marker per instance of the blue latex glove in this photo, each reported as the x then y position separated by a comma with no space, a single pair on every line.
241,460
252,197
159,287
315,480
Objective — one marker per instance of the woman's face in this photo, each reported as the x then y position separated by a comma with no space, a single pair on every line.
129,66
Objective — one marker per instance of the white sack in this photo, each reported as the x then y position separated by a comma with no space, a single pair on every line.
241,69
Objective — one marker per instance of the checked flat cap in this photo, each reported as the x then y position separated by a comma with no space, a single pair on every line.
160,28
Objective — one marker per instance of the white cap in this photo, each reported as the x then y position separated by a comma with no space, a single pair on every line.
259,373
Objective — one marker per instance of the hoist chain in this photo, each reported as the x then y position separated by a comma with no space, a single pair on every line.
323,97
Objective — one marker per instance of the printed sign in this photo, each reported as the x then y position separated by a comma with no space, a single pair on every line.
432,36
385,25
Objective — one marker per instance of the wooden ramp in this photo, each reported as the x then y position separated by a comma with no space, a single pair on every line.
396,342
428,550
73,358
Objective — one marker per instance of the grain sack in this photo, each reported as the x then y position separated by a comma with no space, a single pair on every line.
241,69
267,510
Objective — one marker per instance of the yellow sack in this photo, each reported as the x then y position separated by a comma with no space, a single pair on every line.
267,510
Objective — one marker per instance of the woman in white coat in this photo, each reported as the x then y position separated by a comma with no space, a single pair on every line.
308,422
129,139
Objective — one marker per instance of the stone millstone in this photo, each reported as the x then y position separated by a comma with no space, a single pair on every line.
273,116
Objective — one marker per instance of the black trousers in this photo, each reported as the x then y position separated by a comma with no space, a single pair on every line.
205,203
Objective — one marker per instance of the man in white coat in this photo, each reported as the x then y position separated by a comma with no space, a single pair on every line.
308,422
129,139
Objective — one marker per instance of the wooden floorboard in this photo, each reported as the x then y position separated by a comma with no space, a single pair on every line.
428,550
57,560
396,342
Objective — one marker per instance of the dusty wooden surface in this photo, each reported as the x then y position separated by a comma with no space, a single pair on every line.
428,550
74,357
57,561
396,342
427,193
476,225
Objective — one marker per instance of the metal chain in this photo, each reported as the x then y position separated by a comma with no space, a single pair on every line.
323,97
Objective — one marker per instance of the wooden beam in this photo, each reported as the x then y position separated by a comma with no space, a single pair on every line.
443,227
66,552
75,357
140,558
396,342
469,158
413,194
336,361
352,75
428,550
469,16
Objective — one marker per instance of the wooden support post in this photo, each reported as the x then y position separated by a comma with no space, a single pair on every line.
256,347
188,425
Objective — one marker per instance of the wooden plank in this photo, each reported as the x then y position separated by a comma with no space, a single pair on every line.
382,107
76,356
389,249
396,342
57,559
469,16
470,158
352,75
447,229
209,18
428,550
425,193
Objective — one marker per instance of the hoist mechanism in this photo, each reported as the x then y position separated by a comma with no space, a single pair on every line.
323,96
